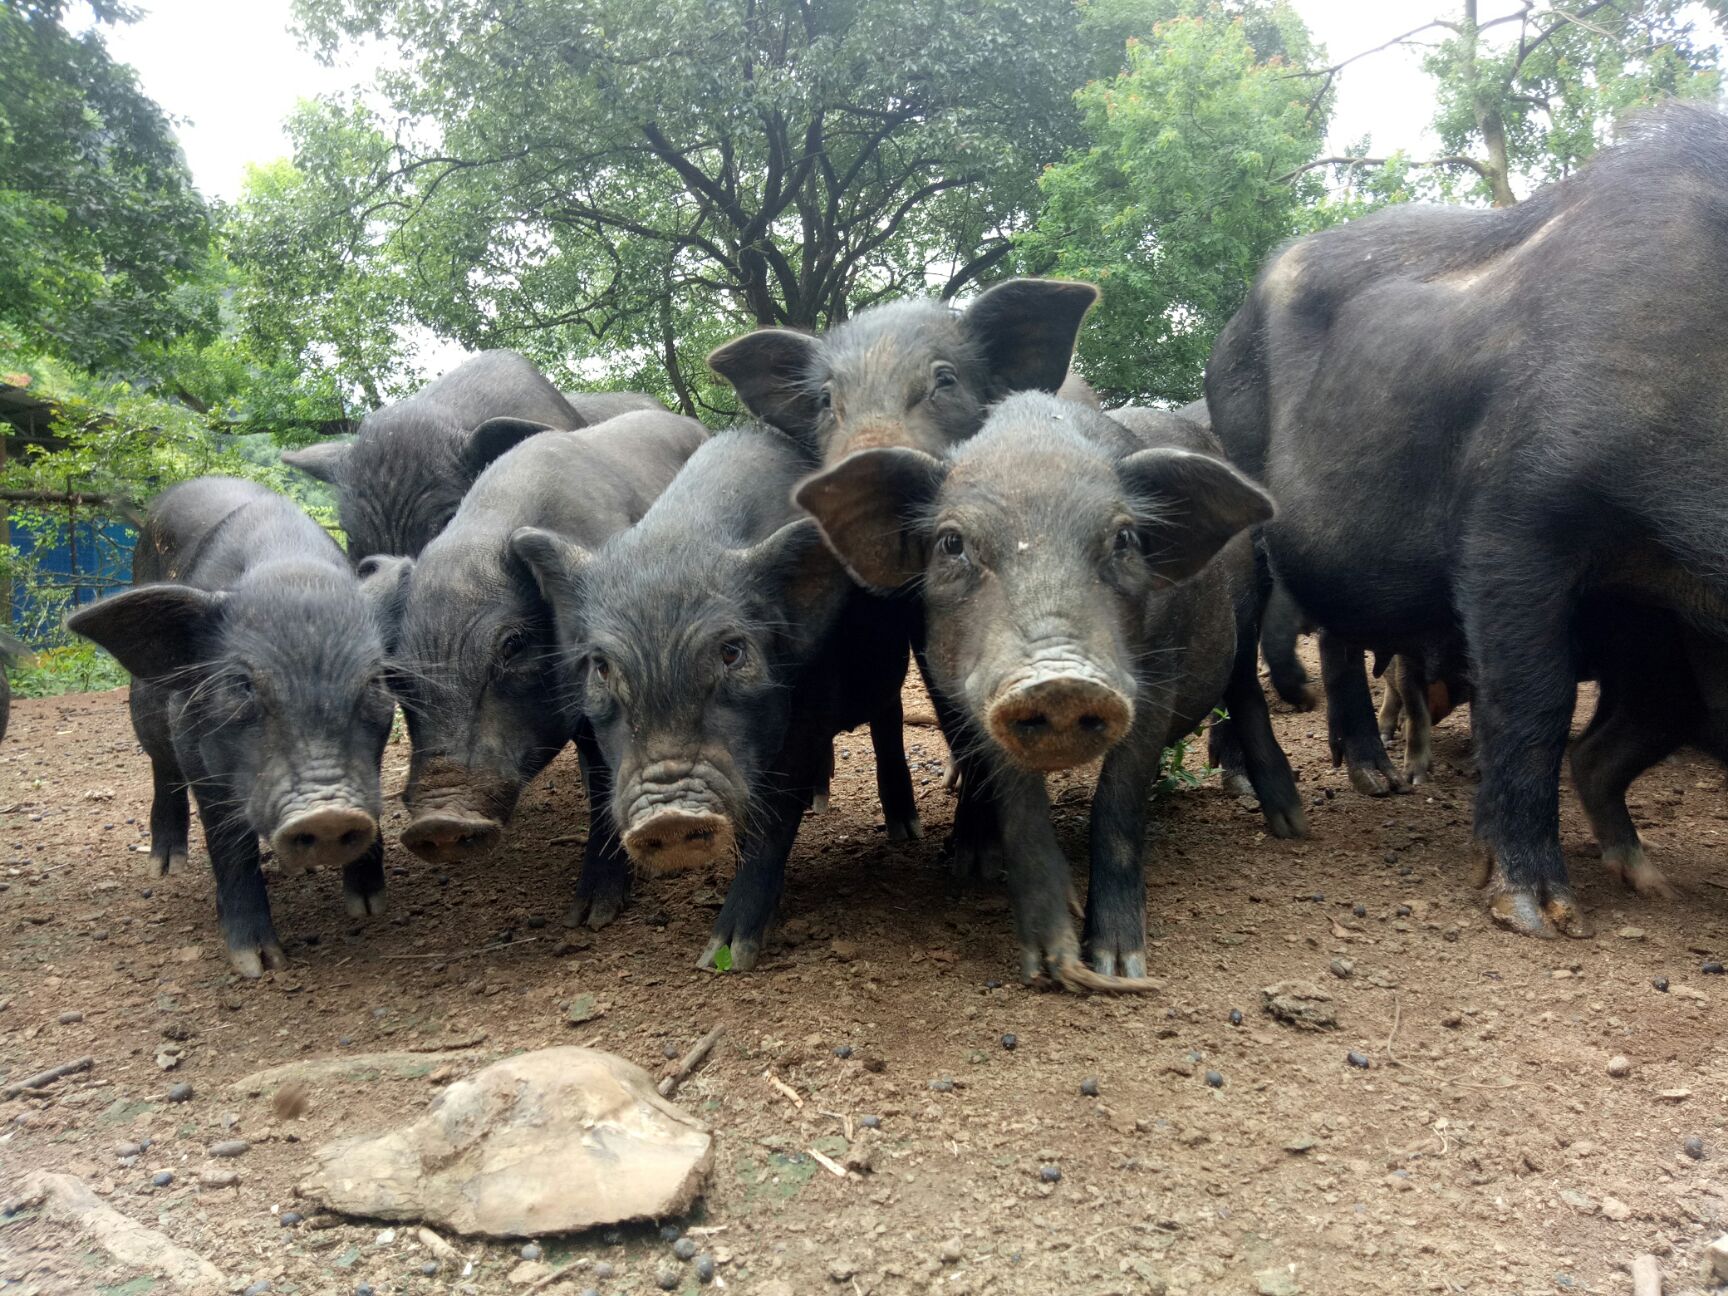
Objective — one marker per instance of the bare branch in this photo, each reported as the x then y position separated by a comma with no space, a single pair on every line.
1351,163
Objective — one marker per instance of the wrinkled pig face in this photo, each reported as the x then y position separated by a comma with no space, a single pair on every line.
1040,557
280,688
915,374
477,669
684,666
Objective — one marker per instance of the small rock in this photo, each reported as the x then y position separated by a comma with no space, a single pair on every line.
429,1268
604,1270
1050,1173
845,951
180,1093
1301,1004
1615,1209
1342,968
582,1009
1674,1095
1010,1042
1089,1086
162,1178
1660,983
1716,1259
951,1252
670,1232
1452,1020
1583,1203
530,1251
125,1150
1693,1147
870,1122
1358,1060
1235,1016
1632,933
386,1237
1276,1282
704,1268
258,1288
942,1086
529,1272
842,1050
1619,1066
70,1018
1300,1144
1711,968
841,1269
1214,1080
230,1148
1359,910
288,1219
859,1157
213,1178
684,1248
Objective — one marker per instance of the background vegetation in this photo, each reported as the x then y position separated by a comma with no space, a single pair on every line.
614,187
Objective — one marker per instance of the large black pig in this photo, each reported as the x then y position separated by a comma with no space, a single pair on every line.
257,659
1085,586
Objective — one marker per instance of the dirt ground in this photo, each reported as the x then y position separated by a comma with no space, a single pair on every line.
1484,1149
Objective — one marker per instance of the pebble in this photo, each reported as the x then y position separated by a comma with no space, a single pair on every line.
1342,968
218,1179
530,1251
840,1268
365,1289
1694,1147
429,1268
1089,1086
951,1253
162,1178
1050,1173
1214,1080
71,1018
1661,983
842,1050
667,1278
704,1268
604,1270
1619,1066
942,1086
1615,1209
669,1052
1359,910
684,1248
670,1232
1010,1042
230,1148
179,1093
1359,1060
258,1288
124,1150
1235,1016
1711,968
288,1219
870,1122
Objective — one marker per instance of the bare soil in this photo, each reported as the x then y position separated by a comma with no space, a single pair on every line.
1485,1148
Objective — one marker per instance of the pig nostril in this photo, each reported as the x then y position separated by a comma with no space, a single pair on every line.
699,836
305,840
1093,724
1032,724
350,837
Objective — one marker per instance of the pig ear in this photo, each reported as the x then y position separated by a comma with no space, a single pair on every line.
1189,507
324,461
770,371
493,438
556,566
795,560
873,508
384,584
153,630
1027,328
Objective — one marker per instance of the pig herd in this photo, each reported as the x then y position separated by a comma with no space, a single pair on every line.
1495,440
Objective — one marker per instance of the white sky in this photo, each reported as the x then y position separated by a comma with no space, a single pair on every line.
232,71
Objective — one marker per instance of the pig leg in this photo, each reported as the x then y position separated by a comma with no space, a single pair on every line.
1350,719
1280,626
1266,766
363,883
242,906
893,775
974,849
1409,686
170,815
1115,931
604,882
754,896
825,779
1224,751
1038,875
1392,704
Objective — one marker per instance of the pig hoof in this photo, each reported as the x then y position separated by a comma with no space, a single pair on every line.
1375,782
1236,783
164,862
1632,869
910,828
1522,912
251,963
819,803
951,778
363,906
594,911
1286,823
744,953
1116,963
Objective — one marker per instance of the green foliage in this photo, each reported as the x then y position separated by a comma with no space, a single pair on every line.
1184,188
1174,772
75,667
723,959
100,228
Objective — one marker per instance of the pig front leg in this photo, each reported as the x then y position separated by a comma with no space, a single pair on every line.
363,883
603,885
754,896
1038,877
1115,930
242,906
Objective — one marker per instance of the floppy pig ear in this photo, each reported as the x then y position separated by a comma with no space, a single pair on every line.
871,507
556,565
1027,328
323,461
1190,506
495,437
768,369
153,630
795,560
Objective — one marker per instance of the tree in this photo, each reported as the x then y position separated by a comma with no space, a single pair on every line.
1182,191
99,223
574,178
1529,95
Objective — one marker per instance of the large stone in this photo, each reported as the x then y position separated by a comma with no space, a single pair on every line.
547,1142
1301,1004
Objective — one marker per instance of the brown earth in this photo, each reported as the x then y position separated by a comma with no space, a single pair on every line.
1486,1148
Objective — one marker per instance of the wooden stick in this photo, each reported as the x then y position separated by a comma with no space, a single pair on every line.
48,1077
829,1164
65,1198
690,1061
784,1088
1646,1276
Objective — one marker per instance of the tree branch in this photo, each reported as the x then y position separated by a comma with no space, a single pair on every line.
1353,162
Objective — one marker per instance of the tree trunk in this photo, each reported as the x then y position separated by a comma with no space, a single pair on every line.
1488,119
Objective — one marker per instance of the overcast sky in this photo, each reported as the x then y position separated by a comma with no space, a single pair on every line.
232,71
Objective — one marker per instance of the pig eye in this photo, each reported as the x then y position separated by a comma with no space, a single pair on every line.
600,666
731,653
512,644
1128,540
951,544
243,685
825,398
944,377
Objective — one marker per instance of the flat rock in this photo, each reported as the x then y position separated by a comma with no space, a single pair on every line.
1716,1259
554,1141
1616,1210
1276,1282
1300,1003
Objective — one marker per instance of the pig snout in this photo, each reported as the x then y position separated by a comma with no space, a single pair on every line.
458,813
1055,721
445,836
675,820
324,837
